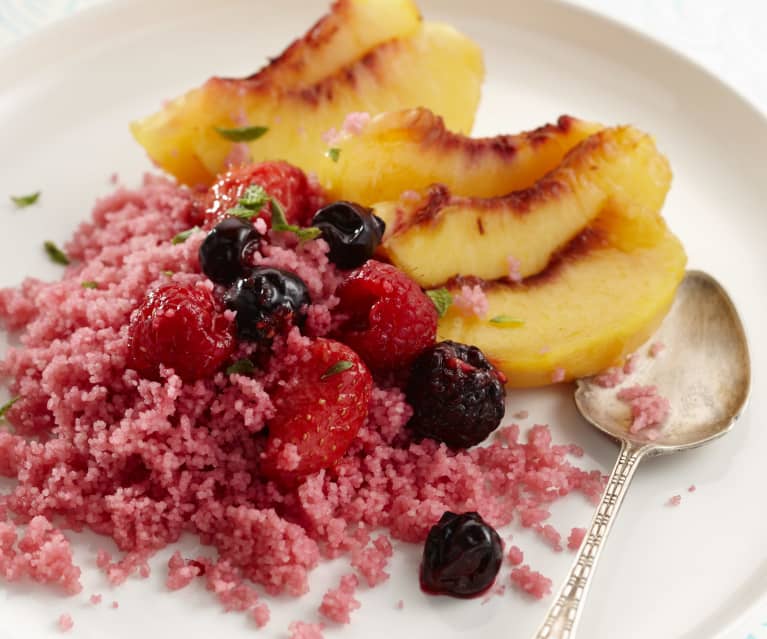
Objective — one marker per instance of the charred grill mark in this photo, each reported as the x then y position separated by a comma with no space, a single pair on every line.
437,197
295,56
434,134
480,226
586,242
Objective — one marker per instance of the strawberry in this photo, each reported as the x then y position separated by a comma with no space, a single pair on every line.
320,408
286,183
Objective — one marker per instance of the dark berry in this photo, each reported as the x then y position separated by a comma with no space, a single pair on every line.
388,318
223,253
458,397
179,327
351,230
284,182
461,557
267,301
320,407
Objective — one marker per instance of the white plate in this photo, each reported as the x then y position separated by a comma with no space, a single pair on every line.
688,572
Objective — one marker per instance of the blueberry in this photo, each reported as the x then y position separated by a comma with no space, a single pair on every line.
222,254
267,301
351,230
458,397
461,557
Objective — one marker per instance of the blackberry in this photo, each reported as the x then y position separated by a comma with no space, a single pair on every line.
267,302
351,230
461,557
457,396
222,253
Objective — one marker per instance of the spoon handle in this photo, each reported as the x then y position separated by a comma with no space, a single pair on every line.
563,615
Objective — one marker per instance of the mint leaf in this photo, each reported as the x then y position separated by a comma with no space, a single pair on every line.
6,407
506,321
242,133
335,369
280,223
251,202
22,201
241,367
184,235
242,212
254,197
441,299
333,154
55,253
89,284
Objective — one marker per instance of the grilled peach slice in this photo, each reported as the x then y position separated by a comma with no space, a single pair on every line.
437,67
350,30
443,236
412,149
597,302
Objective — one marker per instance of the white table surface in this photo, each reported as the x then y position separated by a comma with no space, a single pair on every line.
728,37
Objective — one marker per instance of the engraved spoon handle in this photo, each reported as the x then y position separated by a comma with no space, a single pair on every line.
563,615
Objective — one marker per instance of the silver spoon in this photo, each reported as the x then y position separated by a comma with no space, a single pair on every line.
704,372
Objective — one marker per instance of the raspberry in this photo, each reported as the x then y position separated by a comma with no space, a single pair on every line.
319,410
389,318
457,396
181,328
284,182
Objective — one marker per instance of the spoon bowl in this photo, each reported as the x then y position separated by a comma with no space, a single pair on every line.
704,371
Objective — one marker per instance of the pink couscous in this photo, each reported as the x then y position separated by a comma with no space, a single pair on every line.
649,410
303,630
94,445
530,581
575,538
338,603
515,556
674,501
471,300
66,623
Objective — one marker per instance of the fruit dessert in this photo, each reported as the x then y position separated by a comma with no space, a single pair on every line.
298,347
264,384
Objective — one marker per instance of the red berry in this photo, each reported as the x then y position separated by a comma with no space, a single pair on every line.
284,182
179,327
319,410
390,320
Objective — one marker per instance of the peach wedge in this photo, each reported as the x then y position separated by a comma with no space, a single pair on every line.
437,67
413,149
349,31
518,234
590,309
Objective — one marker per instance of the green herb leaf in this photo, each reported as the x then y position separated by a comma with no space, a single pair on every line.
55,253
7,406
338,367
280,223
89,284
441,299
184,235
254,197
506,321
242,212
241,367
251,202
168,273
22,201
333,154
242,133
